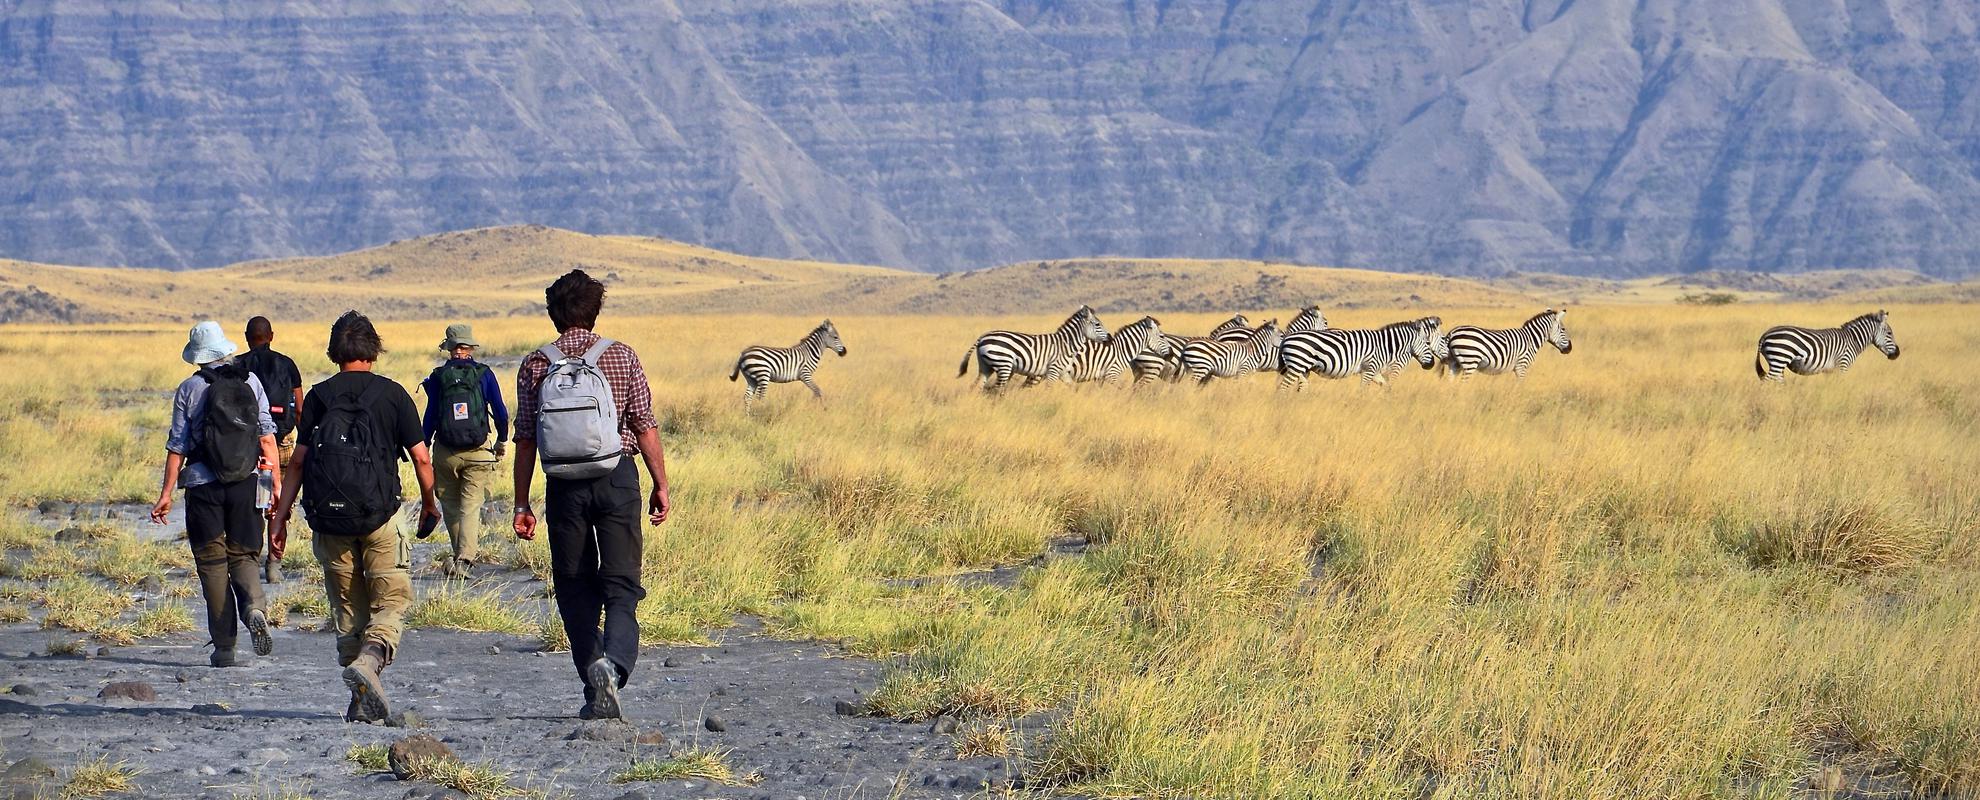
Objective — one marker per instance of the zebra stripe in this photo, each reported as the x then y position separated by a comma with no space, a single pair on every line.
1107,361
1149,367
1493,351
1001,354
1376,354
1810,351
1203,360
760,365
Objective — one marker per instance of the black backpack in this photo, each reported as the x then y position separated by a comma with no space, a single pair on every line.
351,480
463,409
267,366
230,437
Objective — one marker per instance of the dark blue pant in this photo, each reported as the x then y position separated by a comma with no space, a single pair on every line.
595,557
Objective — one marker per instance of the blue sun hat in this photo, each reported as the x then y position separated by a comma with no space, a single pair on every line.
206,344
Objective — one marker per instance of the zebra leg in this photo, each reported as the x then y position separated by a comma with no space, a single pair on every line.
813,387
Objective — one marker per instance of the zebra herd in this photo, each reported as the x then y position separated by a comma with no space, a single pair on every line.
1081,350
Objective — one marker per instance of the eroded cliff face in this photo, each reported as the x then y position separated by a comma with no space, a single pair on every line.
1592,136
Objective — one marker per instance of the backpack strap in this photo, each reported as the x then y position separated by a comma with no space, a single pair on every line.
597,351
553,354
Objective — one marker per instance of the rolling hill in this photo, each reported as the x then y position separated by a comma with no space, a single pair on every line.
493,272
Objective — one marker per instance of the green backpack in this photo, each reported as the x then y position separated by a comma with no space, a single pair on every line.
463,411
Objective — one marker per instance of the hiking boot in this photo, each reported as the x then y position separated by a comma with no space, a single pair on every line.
222,657
351,711
271,571
367,691
604,681
257,625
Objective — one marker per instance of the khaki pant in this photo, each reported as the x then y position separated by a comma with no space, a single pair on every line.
463,479
286,448
369,588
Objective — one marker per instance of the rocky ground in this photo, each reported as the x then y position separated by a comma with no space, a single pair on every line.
273,728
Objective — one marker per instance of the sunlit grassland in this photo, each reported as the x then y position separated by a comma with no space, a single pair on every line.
1640,572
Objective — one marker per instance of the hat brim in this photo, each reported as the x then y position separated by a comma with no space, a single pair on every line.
451,344
209,353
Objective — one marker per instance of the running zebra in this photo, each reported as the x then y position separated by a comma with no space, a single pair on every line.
1149,367
1206,359
761,366
1808,351
1001,354
1107,361
1308,319
1377,354
1493,351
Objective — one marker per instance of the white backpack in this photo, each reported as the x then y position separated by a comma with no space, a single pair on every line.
577,424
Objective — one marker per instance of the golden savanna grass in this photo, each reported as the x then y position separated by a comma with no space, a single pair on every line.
1638,573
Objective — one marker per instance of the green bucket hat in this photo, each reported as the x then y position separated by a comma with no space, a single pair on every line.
458,335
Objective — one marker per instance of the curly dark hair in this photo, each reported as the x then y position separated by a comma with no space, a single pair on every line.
352,338
574,300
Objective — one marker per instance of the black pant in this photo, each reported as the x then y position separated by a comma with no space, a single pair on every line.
595,557
224,529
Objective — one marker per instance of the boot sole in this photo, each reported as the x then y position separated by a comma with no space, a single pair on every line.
370,694
257,625
604,682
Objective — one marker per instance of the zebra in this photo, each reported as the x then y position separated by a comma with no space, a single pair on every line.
1001,354
1308,319
1107,361
1149,367
1377,354
761,366
1808,351
1206,359
1493,351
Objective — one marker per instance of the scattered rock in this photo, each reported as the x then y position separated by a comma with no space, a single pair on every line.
406,752
707,659
944,725
56,508
494,649
845,708
211,709
206,770
129,690
103,652
405,718
670,661
714,724
28,769
25,690
238,771
720,691
634,795
651,738
71,534
267,754
153,585
183,676
435,793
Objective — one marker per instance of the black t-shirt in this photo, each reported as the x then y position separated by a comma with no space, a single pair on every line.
392,409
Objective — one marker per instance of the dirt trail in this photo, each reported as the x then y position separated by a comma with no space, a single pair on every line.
493,698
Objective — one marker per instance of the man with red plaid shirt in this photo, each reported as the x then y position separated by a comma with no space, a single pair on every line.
595,540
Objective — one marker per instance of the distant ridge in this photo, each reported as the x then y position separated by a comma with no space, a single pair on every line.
501,271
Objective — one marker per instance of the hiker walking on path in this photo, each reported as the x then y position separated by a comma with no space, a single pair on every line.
355,427
462,396
282,383
221,433
583,404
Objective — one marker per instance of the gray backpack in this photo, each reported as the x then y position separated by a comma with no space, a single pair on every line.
577,424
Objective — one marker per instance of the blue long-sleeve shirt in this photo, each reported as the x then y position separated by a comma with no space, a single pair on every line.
189,426
491,393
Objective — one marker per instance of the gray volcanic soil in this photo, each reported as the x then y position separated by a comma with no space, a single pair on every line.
493,698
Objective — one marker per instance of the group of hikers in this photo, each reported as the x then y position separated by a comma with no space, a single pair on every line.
246,441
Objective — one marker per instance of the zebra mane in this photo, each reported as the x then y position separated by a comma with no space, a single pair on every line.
1408,323
1870,318
1540,316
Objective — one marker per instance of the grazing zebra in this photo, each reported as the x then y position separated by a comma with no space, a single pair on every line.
761,366
1377,354
1001,354
1808,351
1149,367
1493,351
1206,359
1107,361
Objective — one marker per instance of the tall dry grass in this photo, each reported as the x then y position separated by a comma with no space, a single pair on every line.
1639,572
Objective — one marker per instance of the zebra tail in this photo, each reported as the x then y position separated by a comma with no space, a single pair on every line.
737,371
965,365
1760,363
